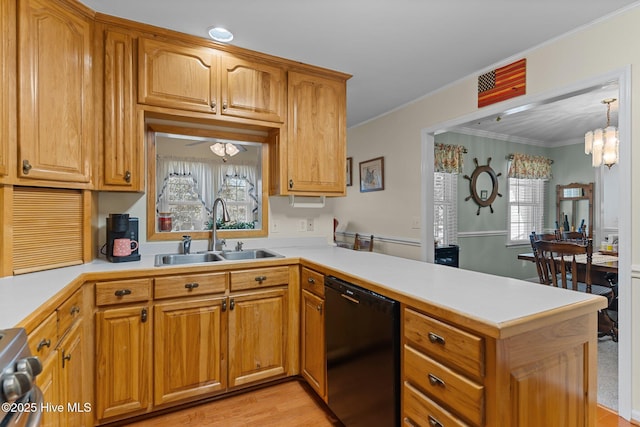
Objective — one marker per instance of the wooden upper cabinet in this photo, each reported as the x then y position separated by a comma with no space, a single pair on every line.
177,76
253,90
55,92
316,145
121,166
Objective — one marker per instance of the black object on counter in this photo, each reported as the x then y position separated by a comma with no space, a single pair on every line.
447,255
122,226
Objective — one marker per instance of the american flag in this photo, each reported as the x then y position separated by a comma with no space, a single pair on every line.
502,83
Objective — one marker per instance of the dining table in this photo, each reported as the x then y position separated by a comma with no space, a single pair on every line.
603,266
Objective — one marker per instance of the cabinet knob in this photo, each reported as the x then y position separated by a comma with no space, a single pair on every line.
232,304
144,315
26,167
311,281
319,308
290,183
74,310
213,106
224,305
127,176
434,423
224,105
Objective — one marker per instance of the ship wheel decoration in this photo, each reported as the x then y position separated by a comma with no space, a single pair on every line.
484,198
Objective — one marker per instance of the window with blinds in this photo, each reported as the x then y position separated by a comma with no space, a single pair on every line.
526,208
445,208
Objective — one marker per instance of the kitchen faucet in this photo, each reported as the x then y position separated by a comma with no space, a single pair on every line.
214,243
186,245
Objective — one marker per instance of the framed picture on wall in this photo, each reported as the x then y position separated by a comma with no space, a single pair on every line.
372,175
349,171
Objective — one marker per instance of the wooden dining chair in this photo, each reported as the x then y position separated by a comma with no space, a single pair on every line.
363,243
566,264
574,236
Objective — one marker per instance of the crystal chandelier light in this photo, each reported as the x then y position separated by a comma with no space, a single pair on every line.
603,143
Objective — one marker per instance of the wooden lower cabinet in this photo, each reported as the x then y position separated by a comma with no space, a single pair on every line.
73,389
123,371
48,381
257,336
189,349
312,358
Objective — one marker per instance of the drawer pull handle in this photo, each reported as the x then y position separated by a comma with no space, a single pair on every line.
436,339
44,343
311,280
435,381
122,292
434,423
191,285
260,279
74,310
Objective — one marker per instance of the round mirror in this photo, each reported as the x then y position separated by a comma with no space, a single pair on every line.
483,185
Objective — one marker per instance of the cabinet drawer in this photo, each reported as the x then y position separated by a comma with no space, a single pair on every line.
419,410
259,278
195,284
123,291
68,312
43,339
447,387
312,281
453,346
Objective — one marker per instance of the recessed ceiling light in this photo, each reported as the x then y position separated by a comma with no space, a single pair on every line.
220,34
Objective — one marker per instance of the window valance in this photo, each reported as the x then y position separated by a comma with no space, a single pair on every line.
526,166
448,158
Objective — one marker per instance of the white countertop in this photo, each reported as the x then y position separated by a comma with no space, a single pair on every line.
490,299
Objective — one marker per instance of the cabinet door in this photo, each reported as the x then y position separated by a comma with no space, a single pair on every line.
123,339
7,82
253,90
47,381
189,349
55,92
121,153
316,145
176,76
257,336
312,358
73,377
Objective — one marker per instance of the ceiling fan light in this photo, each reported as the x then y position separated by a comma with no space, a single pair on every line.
218,149
231,149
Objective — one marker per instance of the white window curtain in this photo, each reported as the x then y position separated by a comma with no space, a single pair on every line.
209,177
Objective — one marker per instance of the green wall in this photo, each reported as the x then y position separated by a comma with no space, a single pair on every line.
483,238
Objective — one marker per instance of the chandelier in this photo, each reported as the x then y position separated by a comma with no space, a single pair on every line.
603,143
224,149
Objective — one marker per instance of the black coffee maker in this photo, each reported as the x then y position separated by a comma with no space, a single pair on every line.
121,226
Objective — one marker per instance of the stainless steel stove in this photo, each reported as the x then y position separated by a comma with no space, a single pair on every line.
20,399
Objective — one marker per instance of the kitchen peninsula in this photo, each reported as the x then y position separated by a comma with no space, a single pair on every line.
507,341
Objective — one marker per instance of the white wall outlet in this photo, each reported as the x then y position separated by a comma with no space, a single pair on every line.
310,224
275,226
302,225
415,222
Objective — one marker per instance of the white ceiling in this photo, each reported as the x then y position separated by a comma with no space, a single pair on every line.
397,51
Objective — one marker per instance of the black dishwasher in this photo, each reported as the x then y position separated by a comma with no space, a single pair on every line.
363,355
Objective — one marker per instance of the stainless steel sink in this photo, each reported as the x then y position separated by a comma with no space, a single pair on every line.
248,254
173,259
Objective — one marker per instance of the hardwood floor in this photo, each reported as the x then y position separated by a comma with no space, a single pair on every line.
290,403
